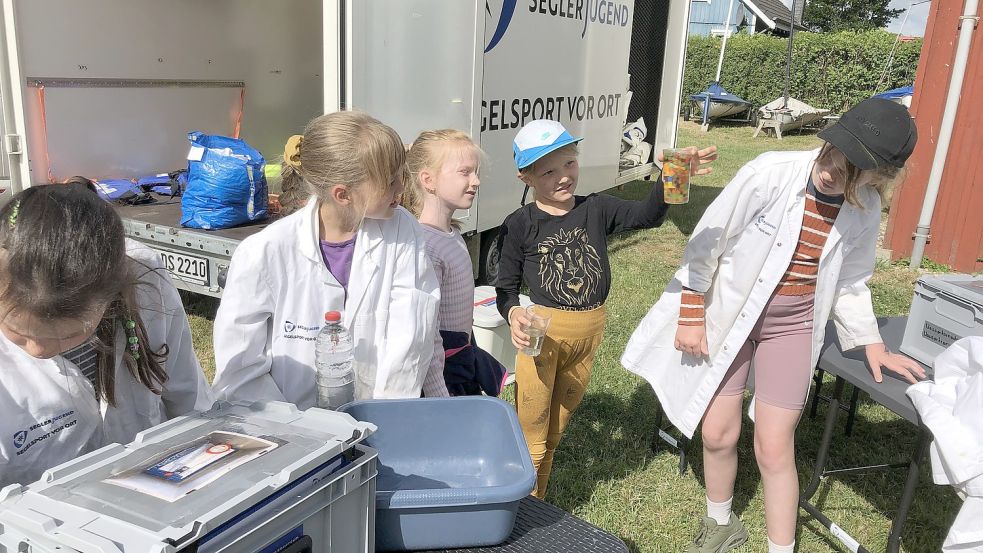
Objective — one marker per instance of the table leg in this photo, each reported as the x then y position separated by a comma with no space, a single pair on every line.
823,453
817,377
658,426
852,413
908,495
846,539
683,446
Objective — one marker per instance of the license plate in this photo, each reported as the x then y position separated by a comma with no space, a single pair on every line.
186,267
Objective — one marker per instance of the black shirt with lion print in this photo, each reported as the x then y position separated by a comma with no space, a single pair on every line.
563,259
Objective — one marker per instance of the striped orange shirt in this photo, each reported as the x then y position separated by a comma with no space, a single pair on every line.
803,272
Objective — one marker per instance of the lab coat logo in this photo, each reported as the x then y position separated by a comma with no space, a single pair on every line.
504,18
289,327
20,438
764,226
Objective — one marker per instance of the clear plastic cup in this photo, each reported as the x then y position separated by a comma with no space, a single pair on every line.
539,322
675,175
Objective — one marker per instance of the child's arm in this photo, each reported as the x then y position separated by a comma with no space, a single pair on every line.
623,215
242,331
509,267
186,389
164,318
691,334
434,384
853,308
733,209
510,278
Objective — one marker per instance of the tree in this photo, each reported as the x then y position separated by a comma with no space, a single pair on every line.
848,15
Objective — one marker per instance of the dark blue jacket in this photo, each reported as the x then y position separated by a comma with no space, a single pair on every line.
471,370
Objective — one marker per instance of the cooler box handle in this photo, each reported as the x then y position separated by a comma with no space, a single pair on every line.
957,309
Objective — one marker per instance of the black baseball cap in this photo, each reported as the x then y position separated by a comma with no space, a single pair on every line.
874,133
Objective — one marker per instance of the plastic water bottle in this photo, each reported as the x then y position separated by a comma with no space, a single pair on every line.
334,359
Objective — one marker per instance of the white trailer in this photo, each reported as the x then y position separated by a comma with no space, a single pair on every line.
110,89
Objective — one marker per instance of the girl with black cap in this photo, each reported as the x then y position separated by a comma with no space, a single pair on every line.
789,241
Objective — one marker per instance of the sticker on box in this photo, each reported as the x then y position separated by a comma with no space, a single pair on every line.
192,465
187,462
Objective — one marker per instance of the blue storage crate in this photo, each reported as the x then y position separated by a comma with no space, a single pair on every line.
451,470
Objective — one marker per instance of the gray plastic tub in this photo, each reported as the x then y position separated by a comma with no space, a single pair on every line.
451,471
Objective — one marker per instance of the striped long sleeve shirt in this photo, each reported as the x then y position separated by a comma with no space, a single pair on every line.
803,272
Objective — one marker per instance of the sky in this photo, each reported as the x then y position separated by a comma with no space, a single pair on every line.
915,25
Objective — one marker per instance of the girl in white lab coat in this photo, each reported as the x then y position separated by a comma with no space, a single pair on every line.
94,342
352,249
790,240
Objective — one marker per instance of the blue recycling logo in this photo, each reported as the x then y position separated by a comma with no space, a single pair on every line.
20,438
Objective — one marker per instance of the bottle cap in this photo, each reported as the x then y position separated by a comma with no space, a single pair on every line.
332,316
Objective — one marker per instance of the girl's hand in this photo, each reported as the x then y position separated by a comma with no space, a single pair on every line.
692,340
518,321
878,356
706,156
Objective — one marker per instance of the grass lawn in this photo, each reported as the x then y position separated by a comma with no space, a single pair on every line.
605,471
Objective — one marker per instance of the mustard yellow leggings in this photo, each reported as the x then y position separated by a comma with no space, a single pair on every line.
550,386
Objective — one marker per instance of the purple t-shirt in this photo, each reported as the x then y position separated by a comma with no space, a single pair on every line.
338,258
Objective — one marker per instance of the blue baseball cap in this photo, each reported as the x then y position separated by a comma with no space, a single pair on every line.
538,138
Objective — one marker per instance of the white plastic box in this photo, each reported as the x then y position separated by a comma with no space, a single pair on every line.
491,332
313,492
945,308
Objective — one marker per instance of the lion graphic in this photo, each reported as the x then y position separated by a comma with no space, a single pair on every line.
570,268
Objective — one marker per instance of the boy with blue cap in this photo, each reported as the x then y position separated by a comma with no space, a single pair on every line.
557,246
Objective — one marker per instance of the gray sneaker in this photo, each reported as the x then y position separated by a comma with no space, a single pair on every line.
714,538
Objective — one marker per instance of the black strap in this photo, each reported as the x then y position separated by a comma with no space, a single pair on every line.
524,194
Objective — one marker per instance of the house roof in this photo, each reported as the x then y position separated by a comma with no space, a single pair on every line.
774,13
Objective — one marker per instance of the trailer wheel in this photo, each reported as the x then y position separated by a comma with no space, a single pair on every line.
488,258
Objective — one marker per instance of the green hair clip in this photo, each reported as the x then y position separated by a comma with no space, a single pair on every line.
131,338
12,219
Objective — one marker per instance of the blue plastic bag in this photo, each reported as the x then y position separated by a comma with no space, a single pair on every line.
226,183
165,184
121,191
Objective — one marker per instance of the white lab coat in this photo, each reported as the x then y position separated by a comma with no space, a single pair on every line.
951,407
277,293
49,413
737,254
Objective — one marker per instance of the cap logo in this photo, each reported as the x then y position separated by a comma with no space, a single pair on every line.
870,126
546,135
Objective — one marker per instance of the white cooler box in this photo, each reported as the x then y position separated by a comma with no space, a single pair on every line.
945,308
243,478
490,331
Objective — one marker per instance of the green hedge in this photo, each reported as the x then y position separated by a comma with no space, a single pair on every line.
832,70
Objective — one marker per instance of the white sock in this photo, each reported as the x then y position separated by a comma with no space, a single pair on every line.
774,548
720,511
